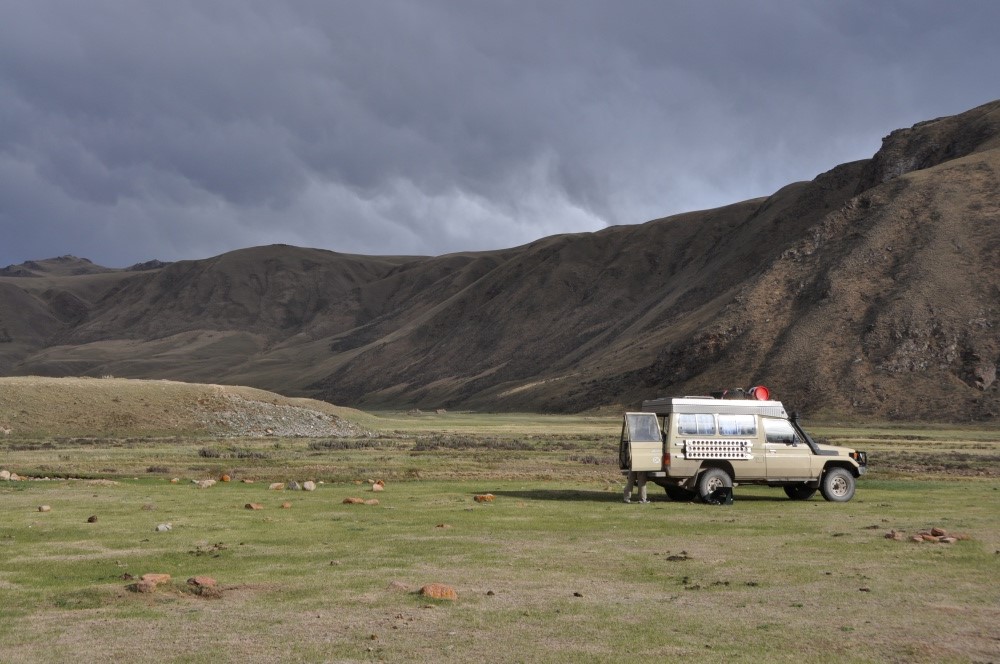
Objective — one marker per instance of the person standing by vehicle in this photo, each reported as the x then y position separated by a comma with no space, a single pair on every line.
636,477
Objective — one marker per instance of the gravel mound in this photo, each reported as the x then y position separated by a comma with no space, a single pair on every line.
249,418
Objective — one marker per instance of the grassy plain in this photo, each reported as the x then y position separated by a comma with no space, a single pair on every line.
556,569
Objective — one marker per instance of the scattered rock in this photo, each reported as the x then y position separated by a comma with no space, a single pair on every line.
92,519
155,578
286,505
44,508
864,589
490,593
149,582
277,486
378,485
225,478
894,535
485,498
204,484
916,538
439,591
309,486
354,501
175,480
14,477
202,581
371,501
292,486
254,506
247,481
4,475
948,540
939,532
577,594
443,525
164,527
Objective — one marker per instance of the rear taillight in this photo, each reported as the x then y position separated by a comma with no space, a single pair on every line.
666,460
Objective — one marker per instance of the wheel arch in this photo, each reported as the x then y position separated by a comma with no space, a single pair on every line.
721,464
840,464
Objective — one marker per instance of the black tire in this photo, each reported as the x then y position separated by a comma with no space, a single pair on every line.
837,485
710,480
799,491
679,494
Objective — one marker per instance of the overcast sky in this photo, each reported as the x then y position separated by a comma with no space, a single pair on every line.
183,129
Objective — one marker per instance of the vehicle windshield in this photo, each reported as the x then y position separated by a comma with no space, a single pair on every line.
643,427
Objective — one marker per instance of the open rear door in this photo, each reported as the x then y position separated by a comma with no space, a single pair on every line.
644,440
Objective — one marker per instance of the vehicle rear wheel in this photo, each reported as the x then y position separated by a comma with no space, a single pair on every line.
679,494
837,485
799,491
712,480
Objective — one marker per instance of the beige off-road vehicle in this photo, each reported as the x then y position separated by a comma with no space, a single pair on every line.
700,447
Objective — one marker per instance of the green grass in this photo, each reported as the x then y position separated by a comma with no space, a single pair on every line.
575,575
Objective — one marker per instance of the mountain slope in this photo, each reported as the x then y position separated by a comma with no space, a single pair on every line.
869,291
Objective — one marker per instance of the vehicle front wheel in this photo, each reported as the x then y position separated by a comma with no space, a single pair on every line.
712,480
799,491
837,485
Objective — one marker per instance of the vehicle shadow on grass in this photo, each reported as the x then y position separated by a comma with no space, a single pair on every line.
615,496
564,494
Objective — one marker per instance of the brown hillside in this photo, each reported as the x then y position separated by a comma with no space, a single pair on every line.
32,406
870,291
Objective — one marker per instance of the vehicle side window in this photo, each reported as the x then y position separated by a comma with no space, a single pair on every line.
737,425
779,431
691,424
643,427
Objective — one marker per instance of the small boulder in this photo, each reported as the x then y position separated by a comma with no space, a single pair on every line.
277,486
286,505
439,591
164,527
44,508
293,486
4,475
224,478
485,498
155,579
254,506
175,480
309,486
246,481
149,582
371,501
14,477
202,582
378,485
204,484
354,501
92,519
939,532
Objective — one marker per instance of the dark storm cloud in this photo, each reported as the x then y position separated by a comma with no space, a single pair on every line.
177,130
